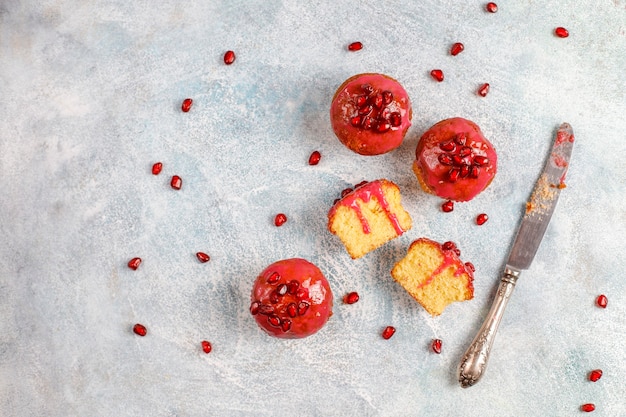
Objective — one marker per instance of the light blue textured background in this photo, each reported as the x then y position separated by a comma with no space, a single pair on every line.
90,97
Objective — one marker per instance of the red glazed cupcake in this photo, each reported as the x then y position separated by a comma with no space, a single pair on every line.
291,299
371,113
454,160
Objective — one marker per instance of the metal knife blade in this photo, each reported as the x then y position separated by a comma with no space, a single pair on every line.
542,202
539,209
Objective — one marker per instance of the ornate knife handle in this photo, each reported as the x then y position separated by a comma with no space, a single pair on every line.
474,360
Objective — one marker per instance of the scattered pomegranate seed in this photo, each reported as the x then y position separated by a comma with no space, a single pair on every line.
280,219
156,168
448,245
255,307
470,266
457,48
134,263
483,90
351,298
229,57
561,32
491,7
177,182
203,257
448,206
595,375
436,346
355,46
140,329
602,301
481,219
345,192
388,332
437,74
186,105
588,408
206,346
315,157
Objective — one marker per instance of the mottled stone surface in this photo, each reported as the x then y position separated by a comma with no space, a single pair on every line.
90,96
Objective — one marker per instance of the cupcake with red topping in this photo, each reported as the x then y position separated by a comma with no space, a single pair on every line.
371,113
454,160
291,299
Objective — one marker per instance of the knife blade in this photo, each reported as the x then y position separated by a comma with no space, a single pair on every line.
539,209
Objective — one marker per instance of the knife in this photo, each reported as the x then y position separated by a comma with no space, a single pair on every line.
539,209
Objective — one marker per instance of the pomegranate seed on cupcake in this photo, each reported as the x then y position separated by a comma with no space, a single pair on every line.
371,113
291,299
454,160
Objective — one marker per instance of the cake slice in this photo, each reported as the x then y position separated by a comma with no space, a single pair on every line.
434,275
368,217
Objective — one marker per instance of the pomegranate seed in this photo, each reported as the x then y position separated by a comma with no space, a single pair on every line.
367,123
274,298
303,306
229,57
266,309
355,46
292,310
448,206
388,332
274,320
483,90
292,286
457,48
176,182
445,159
280,219
448,246
474,171
377,101
595,375
368,89
361,101
366,109
134,263
453,175
156,168
387,97
436,345
481,219
273,278
351,298
203,257
315,157
437,74
561,32
186,106
602,301
449,146
285,325
140,329
383,127
588,408
465,151
460,139
206,346
395,119
457,251
345,192
491,7
361,184
254,308
465,170
282,289
470,266
356,121
481,160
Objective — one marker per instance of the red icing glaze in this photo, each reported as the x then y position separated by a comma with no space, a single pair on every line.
370,129
365,194
450,259
448,180
288,310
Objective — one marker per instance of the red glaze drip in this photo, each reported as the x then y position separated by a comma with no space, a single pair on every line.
365,193
449,260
